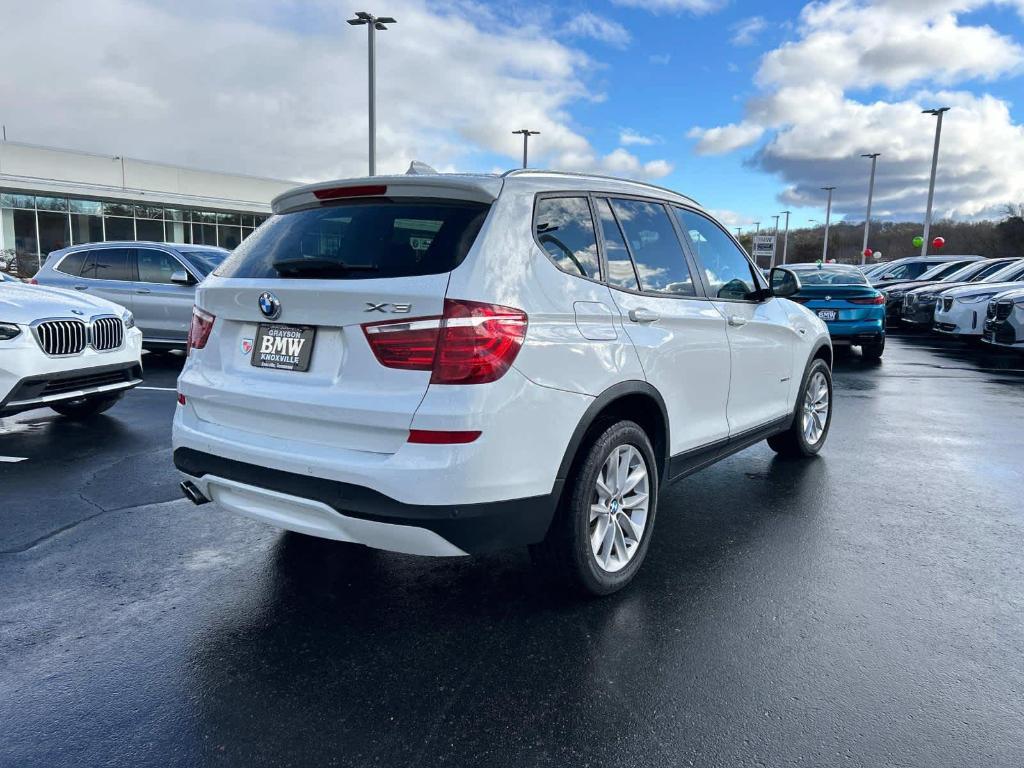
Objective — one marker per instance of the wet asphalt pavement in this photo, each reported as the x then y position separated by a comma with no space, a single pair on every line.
865,608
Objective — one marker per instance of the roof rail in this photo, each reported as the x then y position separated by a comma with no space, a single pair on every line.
576,174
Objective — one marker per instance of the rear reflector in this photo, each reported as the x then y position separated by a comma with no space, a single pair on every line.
181,399
335,193
199,331
432,437
879,299
472,343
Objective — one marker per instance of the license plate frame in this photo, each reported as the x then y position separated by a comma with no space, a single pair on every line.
828,315
282,357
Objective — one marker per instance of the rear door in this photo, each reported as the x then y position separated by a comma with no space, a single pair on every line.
316,276
163,308
679,335
761,340
110,274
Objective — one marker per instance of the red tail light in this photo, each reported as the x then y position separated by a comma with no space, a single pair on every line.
446,437
879,299
472,343
199,331
33,281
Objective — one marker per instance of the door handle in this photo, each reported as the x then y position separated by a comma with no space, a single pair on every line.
143,290
641,315
81,287
736,321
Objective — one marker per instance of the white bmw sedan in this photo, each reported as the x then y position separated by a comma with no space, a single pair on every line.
71,352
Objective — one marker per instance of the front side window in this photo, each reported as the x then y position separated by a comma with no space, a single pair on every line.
156,266
620,266
205,261
565,230
109,264
361,239
657,253
726,269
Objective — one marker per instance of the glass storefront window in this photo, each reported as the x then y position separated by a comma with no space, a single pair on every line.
229,237
92,207
148,229
22,227
175,214
51,203
86,229
54,232
17,201
246,231
177,232
119,209
205,217
204,234
120,228
148,212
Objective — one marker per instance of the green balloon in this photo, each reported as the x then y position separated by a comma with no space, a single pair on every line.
918,241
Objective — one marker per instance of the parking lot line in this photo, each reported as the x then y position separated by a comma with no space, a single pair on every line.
12,459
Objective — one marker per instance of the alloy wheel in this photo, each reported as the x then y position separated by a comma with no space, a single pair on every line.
618,509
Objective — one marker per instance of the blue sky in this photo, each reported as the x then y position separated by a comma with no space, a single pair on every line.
668,90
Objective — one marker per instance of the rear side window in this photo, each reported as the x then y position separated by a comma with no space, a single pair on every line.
657,253
565,230
109,264
620,266
72,263
360,239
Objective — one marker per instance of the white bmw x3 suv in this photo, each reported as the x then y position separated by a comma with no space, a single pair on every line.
71,352
452,364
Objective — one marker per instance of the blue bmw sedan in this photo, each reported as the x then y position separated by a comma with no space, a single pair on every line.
842,297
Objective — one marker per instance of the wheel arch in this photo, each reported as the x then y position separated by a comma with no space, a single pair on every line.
636,401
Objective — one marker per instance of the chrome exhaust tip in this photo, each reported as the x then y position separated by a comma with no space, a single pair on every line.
192,493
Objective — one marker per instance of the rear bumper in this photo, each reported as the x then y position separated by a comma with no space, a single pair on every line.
348,512
857,331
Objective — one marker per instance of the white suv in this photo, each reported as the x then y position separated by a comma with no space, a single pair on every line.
452,364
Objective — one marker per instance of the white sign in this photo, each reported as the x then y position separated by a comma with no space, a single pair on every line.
764,245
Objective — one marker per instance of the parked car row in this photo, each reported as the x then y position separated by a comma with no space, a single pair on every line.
966,297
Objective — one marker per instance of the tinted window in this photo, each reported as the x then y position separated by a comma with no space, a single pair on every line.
205,261
991,269
360,239
108,264
73,263
1008,272
831,275
657,254
156,266
620,267
726,269
565,229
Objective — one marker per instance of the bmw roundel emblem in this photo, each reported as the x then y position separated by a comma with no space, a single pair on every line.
270,306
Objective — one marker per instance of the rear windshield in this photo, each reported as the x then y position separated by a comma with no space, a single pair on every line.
360,239
832,276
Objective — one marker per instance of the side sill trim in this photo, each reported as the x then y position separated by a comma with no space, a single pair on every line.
685,464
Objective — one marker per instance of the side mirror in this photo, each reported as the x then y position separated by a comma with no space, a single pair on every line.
181,277
785,283
888,276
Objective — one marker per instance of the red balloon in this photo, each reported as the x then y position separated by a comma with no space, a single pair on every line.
868,252
938,242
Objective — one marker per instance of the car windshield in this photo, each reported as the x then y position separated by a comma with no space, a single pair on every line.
939,271
1010,272
965,273
832,275
205,261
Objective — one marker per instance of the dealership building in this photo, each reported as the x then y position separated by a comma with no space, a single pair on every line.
51,198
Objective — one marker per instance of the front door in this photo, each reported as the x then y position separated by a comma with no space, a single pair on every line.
109,274
163,308
761,341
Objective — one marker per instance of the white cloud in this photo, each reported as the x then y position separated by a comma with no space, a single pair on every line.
660,58
817,129
673,6
591,25
731,219
745,32
621,162
725,138
629,137
269,91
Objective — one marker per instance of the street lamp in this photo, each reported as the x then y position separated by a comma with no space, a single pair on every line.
785,238
373,24
935,164
828,219
867,217
527,133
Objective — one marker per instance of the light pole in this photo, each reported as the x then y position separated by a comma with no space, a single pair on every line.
828,219
373,24
785,238
527,133
935,164
867,217
118,157
757,227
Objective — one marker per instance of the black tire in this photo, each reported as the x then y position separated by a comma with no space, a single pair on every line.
567,552
793,442
86,407
873,351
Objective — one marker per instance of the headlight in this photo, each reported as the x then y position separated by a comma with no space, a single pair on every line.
924,298
8,331
975,299
129,319
894,294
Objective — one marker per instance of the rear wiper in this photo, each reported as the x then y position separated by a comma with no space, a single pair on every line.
322,267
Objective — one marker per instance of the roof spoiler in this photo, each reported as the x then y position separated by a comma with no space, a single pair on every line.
482,189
